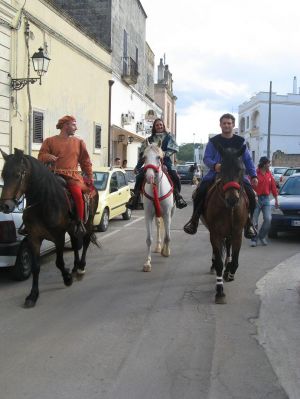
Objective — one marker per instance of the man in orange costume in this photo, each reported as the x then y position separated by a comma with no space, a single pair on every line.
64,152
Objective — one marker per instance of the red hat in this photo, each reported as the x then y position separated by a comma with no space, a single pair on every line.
63,120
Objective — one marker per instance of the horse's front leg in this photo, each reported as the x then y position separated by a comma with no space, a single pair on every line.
35,246
167,238
218,263
147,264
158,222
232,266
60,263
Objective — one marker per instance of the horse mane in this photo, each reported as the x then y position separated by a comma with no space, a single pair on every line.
154,147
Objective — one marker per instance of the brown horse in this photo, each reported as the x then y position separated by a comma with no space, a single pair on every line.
225,216
47,214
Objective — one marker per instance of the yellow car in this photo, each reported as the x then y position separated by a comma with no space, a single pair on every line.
114,193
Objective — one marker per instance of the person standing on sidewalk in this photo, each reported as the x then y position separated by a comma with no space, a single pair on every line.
266,185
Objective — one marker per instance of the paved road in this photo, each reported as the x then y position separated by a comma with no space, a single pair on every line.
124,334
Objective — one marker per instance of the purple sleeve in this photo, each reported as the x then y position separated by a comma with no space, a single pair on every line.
250,168
211,156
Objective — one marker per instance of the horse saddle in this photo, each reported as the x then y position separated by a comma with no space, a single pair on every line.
72,207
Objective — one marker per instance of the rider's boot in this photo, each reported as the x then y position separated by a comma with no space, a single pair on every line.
192,225
179,201
133,201
22,230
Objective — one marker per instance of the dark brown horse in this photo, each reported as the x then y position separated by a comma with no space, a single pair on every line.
47,214
225,216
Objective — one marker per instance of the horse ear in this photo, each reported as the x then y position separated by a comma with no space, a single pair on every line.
19,153
241,151
5,156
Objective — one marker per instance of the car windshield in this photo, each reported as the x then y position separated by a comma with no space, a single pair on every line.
279,171
291,186
100,181
183,168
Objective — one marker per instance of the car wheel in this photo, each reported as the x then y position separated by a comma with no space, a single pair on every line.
103,225
22,268
273,233
127,214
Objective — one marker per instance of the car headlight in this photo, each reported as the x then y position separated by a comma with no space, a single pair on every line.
276,211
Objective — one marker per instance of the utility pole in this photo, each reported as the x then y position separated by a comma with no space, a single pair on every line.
269,122
109,160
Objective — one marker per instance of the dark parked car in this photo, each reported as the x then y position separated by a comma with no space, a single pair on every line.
287,216
184,173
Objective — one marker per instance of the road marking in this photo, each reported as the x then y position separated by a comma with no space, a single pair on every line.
110,234
134,221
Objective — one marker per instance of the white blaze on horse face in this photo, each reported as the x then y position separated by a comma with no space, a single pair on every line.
150,176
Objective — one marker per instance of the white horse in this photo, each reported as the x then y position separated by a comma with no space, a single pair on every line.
158,201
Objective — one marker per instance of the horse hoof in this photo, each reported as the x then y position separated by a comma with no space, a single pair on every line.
147,268
29,303
228,277
158,249
80,271
68,280
220,299
165,252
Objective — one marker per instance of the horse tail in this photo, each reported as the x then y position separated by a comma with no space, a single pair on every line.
95,241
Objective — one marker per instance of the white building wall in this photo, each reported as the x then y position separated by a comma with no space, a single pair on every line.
285,123
7,15
126,100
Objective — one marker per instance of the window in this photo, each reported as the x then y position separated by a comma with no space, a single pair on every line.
113,183
125,39
38,127
98,136
137,58
121,179
247,126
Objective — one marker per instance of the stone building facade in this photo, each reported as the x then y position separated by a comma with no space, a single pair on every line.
121,26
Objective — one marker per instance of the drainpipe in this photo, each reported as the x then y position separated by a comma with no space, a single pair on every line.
109,147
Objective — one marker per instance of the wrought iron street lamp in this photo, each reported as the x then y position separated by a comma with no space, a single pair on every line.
130,139
40,64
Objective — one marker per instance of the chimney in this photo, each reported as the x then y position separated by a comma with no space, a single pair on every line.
160,71
295,85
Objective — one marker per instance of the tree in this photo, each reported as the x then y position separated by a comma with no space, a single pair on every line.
186,152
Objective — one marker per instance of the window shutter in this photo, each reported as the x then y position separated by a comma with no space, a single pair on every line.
38,127
98,136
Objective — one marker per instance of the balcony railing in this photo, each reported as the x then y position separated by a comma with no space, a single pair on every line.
130,70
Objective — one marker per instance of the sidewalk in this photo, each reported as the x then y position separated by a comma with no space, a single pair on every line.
279,322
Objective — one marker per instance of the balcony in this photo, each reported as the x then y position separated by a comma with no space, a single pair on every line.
130,70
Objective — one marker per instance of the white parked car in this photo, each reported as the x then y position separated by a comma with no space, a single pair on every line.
14,249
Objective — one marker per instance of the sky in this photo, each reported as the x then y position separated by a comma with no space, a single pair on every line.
221,53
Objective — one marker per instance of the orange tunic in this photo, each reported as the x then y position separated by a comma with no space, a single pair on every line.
71,152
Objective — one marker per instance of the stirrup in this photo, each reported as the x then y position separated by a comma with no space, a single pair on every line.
180,202
250,232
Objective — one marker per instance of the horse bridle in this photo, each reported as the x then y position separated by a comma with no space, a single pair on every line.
16,200
231,184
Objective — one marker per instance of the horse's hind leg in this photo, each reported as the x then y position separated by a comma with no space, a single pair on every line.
82,263
158,222
233,265
60,263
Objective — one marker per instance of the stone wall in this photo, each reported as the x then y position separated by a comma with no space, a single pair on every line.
281,159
